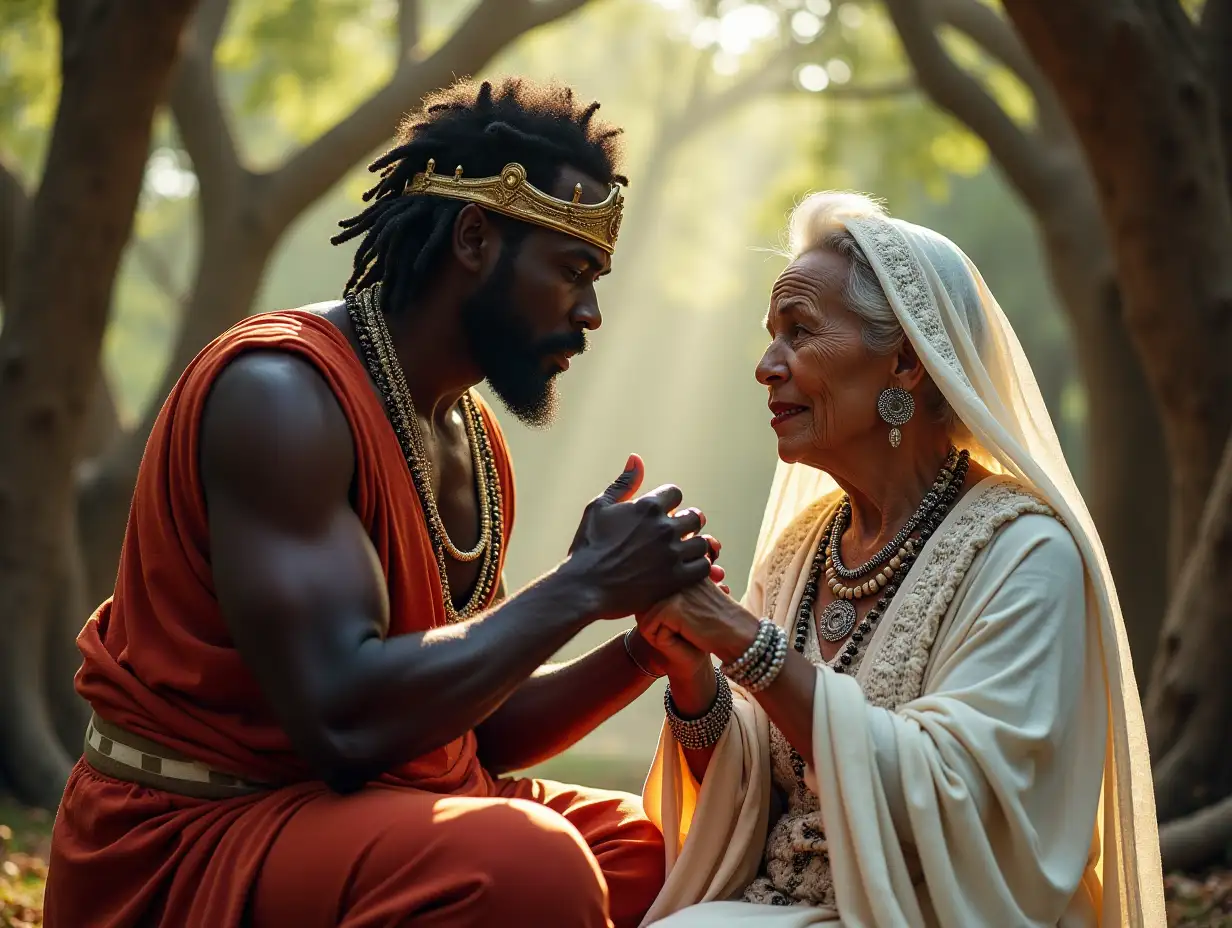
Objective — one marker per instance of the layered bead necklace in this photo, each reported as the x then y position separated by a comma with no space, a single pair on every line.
892,564
376,345
838,618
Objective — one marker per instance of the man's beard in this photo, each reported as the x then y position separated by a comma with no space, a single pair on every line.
506,351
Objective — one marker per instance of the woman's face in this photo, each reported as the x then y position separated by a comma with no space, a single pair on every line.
822,379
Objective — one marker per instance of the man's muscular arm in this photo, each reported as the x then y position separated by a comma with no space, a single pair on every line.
562,703
559,705
303,595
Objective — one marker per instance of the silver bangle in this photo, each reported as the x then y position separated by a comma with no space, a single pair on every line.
765,630
704,732
771,670
762,662
636,662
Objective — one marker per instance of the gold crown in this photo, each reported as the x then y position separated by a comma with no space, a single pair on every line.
513,195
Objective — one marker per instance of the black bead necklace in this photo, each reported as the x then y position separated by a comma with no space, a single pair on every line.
927,525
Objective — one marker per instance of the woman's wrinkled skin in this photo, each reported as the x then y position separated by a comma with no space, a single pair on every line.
823,383
817,359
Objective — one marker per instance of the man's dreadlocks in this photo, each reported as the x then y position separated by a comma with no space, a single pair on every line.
482,128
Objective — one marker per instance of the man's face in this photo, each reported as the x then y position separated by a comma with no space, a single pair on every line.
534,309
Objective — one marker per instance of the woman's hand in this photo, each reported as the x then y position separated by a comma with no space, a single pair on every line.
663,651
706,617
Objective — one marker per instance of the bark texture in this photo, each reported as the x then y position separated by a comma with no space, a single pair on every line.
116,59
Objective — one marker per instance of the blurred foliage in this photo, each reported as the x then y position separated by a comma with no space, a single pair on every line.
295,67
29,82
24,836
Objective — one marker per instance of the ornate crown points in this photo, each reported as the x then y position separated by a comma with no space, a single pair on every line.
511,194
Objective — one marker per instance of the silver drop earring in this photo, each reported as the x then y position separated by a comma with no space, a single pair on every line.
896,407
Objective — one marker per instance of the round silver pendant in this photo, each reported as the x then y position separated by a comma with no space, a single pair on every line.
837,620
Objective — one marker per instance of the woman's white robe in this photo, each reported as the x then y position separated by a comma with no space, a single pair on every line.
958,773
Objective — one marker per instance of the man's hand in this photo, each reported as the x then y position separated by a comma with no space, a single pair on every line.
634,554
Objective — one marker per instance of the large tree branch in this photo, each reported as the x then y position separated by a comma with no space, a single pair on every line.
208,24
776,75
1024,158
1192,842
994,34
198,109
1196,628
160,273
310,172
14,203
408,28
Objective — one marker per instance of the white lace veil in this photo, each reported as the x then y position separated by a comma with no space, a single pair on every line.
972,354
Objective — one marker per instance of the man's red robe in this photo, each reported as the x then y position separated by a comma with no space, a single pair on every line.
433,843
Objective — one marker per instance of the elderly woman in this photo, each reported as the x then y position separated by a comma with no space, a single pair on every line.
932,718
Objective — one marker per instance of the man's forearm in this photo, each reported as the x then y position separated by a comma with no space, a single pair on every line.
559,705
398,698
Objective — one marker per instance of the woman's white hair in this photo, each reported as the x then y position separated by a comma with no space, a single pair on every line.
820,222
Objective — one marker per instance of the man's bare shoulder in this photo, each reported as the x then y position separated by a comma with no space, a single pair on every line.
273,431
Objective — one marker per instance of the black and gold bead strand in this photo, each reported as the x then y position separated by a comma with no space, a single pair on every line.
379,357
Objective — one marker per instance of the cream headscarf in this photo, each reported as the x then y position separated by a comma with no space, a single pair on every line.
973,356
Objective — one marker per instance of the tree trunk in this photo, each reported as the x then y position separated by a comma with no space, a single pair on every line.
1216,31
1191,692
1134,82
1126,478
14,205
116,58
234,254
69,712
1190,843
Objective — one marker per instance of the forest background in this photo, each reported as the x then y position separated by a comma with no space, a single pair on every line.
170,166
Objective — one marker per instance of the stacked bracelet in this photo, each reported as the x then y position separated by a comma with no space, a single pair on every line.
700,733
742,664
761,662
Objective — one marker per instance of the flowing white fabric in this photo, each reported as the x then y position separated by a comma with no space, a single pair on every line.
970,351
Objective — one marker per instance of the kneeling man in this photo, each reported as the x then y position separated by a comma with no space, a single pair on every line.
308,683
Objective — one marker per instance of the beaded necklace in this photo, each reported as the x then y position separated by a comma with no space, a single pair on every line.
839,618
945,492
382,363
895,547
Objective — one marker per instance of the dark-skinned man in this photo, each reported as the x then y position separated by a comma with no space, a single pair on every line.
308,684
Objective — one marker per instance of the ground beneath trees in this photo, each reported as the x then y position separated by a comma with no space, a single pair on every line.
1203,901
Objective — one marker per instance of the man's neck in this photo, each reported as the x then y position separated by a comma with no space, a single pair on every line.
435,359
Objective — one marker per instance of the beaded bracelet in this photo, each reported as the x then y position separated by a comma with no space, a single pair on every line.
700,733
765,631
778,658
761,663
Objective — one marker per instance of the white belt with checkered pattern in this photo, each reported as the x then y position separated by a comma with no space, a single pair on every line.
111,755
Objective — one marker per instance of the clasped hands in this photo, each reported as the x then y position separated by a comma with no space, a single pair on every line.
648,557
702,619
